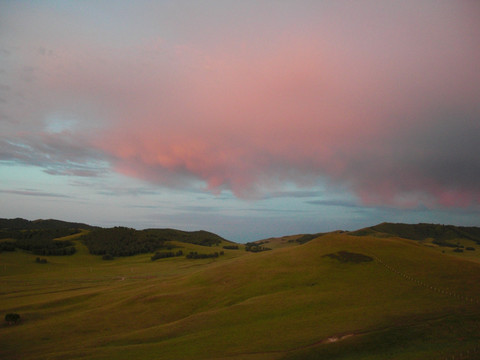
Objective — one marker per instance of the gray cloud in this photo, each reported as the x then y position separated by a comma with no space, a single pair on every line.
59,154
336,203
35,193
434,163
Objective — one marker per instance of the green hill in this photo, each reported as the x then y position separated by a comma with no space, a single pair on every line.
23,224
422,231
122,241
336,296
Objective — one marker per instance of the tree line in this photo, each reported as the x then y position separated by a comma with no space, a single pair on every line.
166,254
40,246
123,241
196,255
256,247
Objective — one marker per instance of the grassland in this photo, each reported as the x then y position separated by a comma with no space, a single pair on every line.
294,302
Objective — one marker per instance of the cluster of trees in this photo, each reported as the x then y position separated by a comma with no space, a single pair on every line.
349,257
442,242
166,254
203,238
231,247
41,246
23,224
122,241
256,246
440,232
308,237
7,246
195,255
12,318
41,261
39,241
36,234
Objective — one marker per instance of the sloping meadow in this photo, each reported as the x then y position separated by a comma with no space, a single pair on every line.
335,297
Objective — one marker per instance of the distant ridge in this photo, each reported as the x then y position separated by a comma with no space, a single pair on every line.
40,224
421,231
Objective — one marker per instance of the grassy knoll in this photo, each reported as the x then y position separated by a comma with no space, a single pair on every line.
294,302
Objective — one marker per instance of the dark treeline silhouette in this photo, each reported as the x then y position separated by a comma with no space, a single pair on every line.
166,254
39,246
441,233
195,255
349,257
231,247
201,237
12,318
441,242
37,241
7,246
41,242
37,234
23,224
307,237
256,246
123,241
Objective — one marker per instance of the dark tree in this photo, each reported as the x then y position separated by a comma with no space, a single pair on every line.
256,246
12,318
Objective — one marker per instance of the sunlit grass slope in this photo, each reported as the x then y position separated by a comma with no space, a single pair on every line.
408,302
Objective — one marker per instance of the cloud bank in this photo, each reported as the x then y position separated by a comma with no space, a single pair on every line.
381,100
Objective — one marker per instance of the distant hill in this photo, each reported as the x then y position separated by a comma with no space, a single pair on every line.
122,241
441,233
23,224
39,236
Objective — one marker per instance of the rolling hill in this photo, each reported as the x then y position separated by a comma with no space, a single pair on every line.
422,231
23,224
337,296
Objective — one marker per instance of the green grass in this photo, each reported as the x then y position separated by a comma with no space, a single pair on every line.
280,304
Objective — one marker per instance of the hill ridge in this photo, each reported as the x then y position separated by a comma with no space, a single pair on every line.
41,224
421,231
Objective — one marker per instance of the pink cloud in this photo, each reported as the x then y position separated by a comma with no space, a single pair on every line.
344,100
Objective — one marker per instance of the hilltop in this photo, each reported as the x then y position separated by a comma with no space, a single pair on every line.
23,224
421,231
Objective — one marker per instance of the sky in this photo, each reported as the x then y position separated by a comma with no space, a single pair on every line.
249,119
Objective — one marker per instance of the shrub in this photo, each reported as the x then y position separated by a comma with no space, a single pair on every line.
195,255
256,247
7,246
12,318
166,254
349,257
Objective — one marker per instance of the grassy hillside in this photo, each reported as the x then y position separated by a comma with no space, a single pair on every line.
460,241
335,297
438,232
287,241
